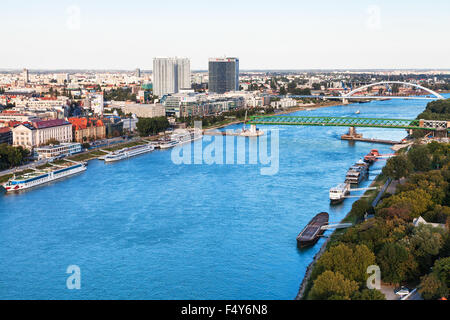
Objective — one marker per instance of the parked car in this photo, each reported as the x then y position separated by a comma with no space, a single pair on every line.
402,291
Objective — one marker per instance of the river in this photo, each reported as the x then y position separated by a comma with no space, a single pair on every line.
147,228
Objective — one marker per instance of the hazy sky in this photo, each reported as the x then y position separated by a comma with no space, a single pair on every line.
276,34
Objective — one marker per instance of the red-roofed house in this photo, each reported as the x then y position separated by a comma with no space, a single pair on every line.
38,133
85,129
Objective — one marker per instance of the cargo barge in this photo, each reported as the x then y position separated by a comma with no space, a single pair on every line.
313,230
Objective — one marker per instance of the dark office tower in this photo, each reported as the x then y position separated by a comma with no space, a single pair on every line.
223,75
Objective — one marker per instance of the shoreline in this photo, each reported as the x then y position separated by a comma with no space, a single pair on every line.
306,277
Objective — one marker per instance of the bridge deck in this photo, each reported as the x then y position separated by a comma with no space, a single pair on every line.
338,121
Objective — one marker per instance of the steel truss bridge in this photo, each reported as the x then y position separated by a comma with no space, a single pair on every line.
351,122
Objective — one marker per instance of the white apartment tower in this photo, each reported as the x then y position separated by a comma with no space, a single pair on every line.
170,75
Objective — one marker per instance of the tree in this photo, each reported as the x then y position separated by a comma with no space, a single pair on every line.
12,156
332,286
419,157
425,243
416,201
369,294
441,269
151,126
283,91
397,167
395,263
432,288
351,263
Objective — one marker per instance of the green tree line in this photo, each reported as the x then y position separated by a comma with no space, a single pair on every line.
151,126
12,156
404,253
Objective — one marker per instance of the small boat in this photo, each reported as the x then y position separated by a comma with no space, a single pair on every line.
371,157
177,139
128,153
313,230
337,194
168,144
358,112
39,177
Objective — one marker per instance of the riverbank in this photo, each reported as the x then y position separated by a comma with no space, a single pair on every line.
88,155
407,213
370,195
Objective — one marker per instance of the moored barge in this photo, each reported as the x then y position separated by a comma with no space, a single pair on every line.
313,230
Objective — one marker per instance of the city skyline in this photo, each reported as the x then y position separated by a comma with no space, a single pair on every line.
289,35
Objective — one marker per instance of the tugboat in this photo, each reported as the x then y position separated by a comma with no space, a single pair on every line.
313,230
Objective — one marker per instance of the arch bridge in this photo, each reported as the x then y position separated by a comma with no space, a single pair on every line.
437,95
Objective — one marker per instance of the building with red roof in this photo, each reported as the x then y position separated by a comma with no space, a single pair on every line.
38,133
87,129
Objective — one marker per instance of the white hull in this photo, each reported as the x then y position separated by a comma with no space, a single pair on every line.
128,153
338,193
42,179
175,143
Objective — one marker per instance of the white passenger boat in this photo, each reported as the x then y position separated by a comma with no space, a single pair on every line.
168,144
38,177
338,193
177,139
128,152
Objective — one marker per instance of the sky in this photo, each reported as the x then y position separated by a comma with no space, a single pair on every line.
276,34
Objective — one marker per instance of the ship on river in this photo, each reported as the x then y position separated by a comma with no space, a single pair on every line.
39,177
313,230
337,194
357,173
128,152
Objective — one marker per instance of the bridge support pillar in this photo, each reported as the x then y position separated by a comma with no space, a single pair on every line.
351,134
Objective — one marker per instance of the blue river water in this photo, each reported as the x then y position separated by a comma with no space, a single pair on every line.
147,228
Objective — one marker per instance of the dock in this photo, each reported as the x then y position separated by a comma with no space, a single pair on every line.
221,133
349,138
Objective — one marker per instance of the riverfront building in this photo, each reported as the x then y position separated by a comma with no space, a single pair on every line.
194,104
34,134
63,149
170,75
223,75
87,129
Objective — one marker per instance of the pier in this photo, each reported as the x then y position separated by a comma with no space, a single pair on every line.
352,135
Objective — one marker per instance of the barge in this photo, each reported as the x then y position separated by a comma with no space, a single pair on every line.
313,230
